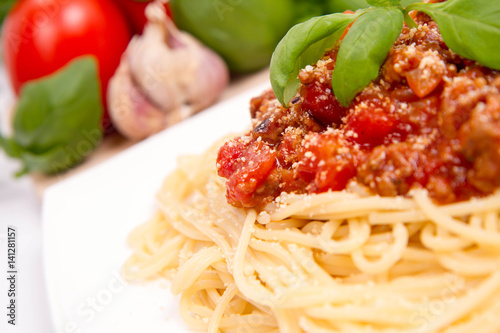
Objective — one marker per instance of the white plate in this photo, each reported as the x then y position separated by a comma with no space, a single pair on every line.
87,218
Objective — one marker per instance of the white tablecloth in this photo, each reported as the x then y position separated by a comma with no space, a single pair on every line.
20,207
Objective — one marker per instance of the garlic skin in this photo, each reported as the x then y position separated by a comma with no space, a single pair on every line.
164,76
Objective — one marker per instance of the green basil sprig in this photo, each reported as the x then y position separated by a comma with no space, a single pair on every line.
5,6
469,28
376,30
303,45
57,120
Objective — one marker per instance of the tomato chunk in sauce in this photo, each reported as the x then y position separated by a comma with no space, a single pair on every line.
430,120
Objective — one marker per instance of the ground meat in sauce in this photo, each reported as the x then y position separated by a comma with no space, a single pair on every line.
430,120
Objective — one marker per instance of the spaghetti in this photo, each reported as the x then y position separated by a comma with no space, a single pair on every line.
383,216
332,262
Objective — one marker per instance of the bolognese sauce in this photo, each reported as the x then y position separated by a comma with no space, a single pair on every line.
431,119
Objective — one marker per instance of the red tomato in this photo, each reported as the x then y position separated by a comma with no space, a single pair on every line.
41,36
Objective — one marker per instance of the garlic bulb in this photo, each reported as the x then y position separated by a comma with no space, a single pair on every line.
164,76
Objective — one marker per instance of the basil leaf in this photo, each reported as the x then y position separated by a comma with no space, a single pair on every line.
409,21
5,8
363,51
49,162
58,118
470,28
383,3
303,45
10,147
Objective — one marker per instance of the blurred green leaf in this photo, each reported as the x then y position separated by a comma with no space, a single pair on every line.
58,119
243,32
5,6
306,9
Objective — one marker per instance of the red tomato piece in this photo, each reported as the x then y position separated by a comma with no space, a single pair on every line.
324,165
370,126
334,176
423,87
320,102
259,160
228,157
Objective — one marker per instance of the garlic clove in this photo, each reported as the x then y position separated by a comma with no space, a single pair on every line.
172,72
151,65
210,83
130,111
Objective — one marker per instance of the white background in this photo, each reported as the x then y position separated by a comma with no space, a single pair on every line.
20,207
